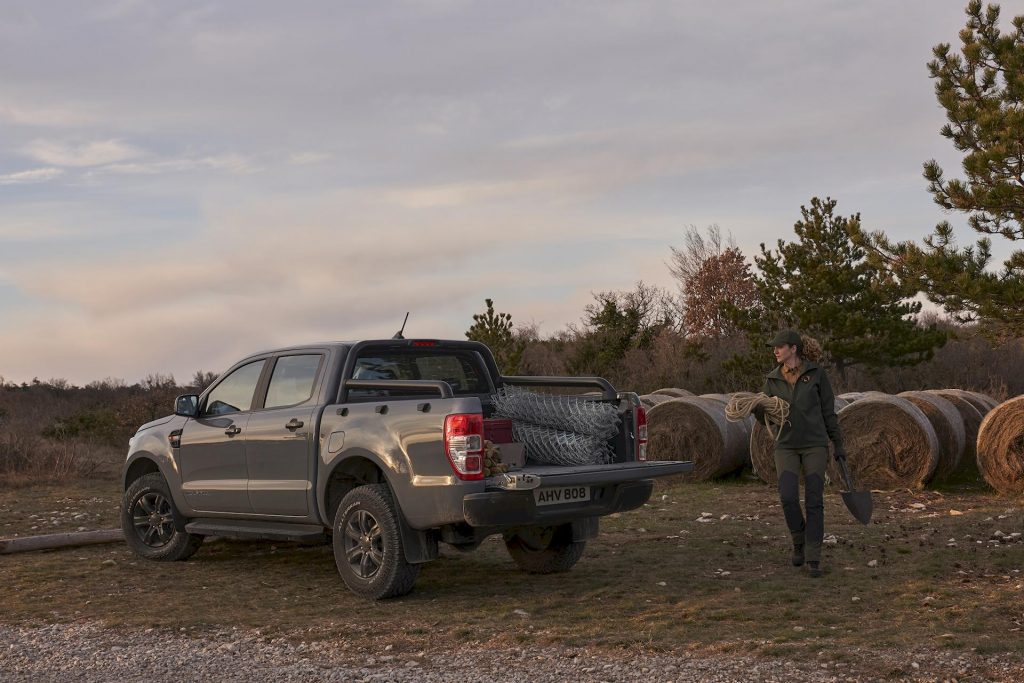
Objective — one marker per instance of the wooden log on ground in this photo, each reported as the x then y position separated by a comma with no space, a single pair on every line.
694,428
1001,447
25,544
890,443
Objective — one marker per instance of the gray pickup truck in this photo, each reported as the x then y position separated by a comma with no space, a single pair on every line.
378,446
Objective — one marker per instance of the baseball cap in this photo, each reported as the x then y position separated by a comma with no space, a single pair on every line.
786,338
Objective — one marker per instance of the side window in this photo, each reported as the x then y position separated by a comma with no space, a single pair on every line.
235,393
292,381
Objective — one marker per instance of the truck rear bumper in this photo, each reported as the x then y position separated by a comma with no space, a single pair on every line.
518,508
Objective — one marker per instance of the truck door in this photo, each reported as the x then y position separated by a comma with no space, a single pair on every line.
279,446
214,476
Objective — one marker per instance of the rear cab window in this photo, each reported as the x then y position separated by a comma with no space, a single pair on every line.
462,369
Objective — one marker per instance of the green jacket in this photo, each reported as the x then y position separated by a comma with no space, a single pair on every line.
812,407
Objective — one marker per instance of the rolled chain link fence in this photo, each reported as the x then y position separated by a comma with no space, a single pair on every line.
559,430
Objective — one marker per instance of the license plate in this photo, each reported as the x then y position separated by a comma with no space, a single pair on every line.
561,494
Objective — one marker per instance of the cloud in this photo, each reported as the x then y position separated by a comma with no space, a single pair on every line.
306,158
35,175
85,154
55,116
227,163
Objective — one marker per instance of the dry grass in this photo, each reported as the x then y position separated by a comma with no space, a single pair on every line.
656,578
27,459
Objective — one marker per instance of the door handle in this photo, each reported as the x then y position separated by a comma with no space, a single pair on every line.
294,424
232,430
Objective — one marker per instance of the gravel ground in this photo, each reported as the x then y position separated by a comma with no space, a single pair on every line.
86,653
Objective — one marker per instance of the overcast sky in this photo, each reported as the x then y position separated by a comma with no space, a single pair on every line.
182,183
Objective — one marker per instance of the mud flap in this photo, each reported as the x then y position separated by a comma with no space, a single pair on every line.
585,529
419,546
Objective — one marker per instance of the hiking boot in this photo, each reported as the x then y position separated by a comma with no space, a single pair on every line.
798,554
815,570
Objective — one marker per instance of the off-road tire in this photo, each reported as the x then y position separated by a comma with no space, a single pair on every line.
368,545
148,520
559,554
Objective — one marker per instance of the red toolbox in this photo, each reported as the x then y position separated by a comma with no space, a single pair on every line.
498,430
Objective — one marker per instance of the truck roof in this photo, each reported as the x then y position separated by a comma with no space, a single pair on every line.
423,342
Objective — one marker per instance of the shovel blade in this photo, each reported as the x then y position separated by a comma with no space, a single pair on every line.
859,505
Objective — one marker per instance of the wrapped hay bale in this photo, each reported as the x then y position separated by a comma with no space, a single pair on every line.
889,442
762,453
694,428
673,392
648,401
852,396
992,403
1001,447
721,398
972,421
948,426
982,402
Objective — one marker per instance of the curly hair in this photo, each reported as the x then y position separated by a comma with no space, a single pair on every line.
810,348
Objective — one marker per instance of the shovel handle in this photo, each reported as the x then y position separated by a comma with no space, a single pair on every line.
846,474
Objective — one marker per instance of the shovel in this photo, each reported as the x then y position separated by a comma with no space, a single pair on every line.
857,502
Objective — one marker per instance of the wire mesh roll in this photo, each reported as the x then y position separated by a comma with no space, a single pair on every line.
558,447
561,413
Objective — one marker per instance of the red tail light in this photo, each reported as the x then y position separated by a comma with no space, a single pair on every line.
641,434
464,444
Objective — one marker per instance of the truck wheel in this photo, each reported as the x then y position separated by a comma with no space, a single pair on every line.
545,550
147,520
368,545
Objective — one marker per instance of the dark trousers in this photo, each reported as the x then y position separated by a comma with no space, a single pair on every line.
789,463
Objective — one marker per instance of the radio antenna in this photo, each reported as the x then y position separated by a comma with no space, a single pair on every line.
398,335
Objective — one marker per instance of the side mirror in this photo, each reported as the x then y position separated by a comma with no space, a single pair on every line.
186,405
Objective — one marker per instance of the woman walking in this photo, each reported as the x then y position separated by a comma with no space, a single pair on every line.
802,444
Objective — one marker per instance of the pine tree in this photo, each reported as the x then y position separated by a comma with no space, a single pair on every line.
822,284
982,90
496,331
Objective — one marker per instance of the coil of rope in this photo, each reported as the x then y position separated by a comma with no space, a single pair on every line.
774,409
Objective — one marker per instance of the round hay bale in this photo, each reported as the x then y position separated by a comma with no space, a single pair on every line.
983,402
992,403
721,398
762,453
694,428
972,421
889,442
648,401
674,392
948,426
841,403
1001,447
852,396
